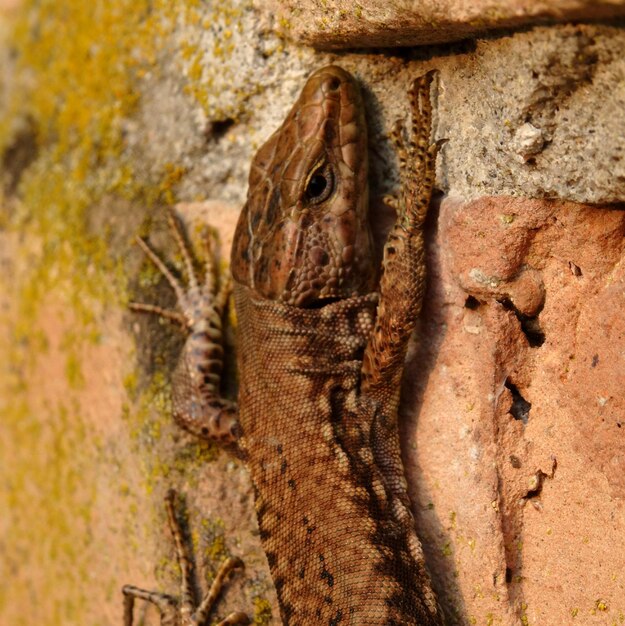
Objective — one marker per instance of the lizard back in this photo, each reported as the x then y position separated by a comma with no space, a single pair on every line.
336,552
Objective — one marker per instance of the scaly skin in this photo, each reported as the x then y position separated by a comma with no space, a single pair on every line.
321,354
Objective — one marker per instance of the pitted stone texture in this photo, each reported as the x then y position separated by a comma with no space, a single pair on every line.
518,456
538,114
346,24
535,114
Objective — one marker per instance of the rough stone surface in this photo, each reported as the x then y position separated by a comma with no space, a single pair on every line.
526,126
345,24
530,125
518,435
155,103
84,476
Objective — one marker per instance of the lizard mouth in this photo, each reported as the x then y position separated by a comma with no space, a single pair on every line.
320,303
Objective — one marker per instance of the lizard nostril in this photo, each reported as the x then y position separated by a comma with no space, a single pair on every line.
334,83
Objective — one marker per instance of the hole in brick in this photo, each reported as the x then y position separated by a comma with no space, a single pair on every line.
532,330
471,303
530,326
536,485
576,270
520,408
508,575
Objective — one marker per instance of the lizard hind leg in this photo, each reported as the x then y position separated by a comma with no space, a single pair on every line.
419,172
184,612
175,316
416,156
402,284
184,250
223,290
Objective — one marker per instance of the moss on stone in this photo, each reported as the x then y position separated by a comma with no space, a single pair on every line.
80,69
262,611
77,71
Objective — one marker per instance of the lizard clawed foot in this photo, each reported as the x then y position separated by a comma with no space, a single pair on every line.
184,612
197,403
416,155
200,300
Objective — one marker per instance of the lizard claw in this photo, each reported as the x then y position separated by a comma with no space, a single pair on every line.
184,612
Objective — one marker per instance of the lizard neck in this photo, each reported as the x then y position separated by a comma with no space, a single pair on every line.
306,343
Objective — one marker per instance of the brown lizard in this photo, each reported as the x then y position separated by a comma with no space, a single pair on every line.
321,344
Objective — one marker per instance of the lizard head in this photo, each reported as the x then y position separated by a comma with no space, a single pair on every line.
303,236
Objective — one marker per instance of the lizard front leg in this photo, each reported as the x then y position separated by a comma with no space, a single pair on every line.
402,284
402,287
196,400
186,611
197,407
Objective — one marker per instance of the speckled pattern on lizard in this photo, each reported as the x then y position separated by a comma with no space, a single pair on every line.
321,342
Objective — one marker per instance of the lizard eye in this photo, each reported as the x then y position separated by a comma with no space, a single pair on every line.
320,185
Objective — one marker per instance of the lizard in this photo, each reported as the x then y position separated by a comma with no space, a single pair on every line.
322,337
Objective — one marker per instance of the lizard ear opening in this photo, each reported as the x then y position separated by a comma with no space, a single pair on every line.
320,184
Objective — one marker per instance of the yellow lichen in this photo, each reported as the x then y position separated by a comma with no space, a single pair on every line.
215,551
452,520
78,73
262,611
